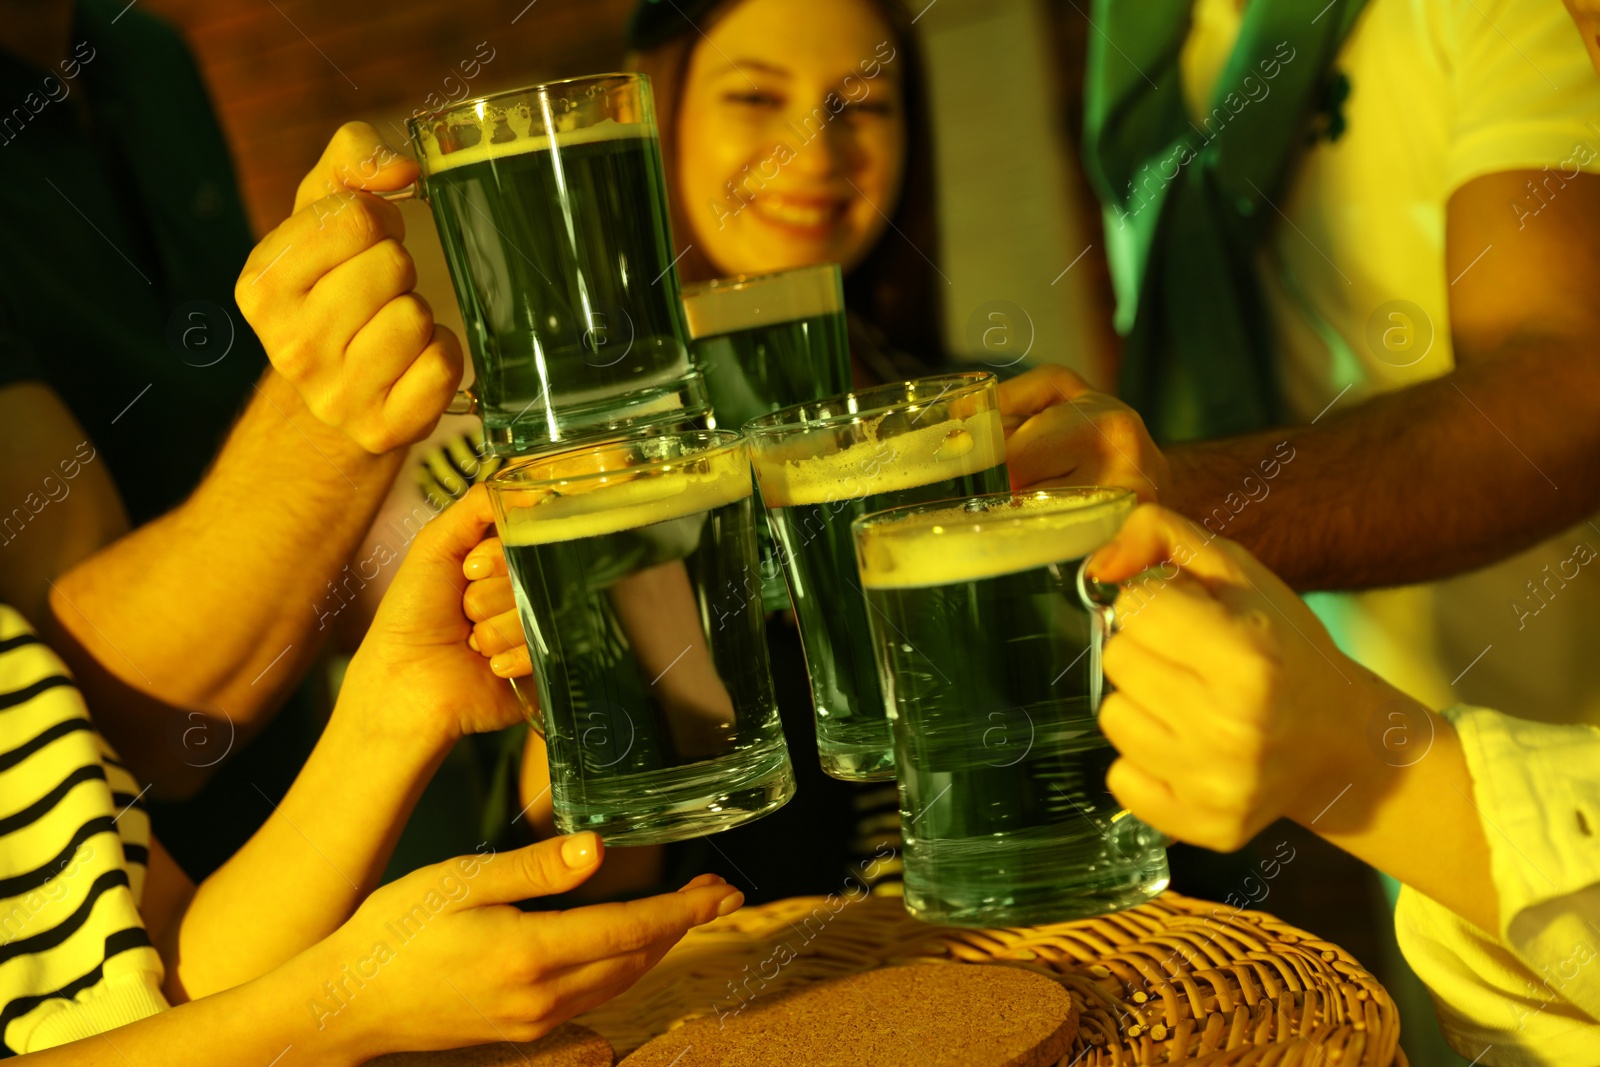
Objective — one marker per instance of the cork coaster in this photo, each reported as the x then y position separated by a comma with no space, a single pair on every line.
918,1016
568,1045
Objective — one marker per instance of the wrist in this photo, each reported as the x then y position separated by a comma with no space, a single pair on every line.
323,1018
1373,734
338,447
364,722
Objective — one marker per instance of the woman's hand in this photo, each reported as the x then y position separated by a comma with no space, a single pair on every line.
442,959
415,669
492,607
1061,432
1233,706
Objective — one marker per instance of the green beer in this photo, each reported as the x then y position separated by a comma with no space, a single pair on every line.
822,465
991,656
767,341
633,565
551,207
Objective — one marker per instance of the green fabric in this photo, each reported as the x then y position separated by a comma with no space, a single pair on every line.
1188,205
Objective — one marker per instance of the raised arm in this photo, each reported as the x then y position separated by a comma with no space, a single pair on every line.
219,606
413,689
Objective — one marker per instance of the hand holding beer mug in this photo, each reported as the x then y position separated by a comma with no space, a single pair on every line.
989,646
824,463
1059,431
328,292
414,673
633,567
1234,707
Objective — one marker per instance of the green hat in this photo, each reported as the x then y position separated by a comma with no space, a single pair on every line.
656,22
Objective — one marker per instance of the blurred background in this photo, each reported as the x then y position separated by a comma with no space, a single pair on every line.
1020,231
1022,248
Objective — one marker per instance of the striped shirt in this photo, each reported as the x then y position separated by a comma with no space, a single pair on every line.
74,844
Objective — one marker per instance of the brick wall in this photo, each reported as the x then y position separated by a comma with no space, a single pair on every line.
284,74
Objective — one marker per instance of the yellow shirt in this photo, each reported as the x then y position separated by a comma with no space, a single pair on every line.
1441,92
74,843
1530,994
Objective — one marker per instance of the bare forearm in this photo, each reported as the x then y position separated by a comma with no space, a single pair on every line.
1410,486
310,865
1411,817
267,1021
214,605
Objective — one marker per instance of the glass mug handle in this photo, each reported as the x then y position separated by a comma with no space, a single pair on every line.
1100,598
466,401
530,706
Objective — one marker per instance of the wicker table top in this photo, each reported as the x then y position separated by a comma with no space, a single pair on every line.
1177,980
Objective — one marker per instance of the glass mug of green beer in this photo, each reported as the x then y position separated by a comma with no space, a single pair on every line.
766,341
552,210
631,561
988,640
822,464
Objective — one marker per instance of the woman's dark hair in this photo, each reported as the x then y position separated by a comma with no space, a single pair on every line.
894,291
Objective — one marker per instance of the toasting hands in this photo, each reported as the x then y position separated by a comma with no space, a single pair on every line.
1233,705
329,292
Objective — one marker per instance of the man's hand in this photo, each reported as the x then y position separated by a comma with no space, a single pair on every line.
1061,432
1233,706
329,294
415,669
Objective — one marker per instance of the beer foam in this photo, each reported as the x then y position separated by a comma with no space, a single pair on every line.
527,141
954,448
728,305
591,507
956,545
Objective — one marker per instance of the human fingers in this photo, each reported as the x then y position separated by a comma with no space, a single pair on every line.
286,263
1085,442
1042,387
515,662
1152,536
488,560
539,870
488,598
1154,802
1177,617
604,930
356,157
494,636
1177,697
417,400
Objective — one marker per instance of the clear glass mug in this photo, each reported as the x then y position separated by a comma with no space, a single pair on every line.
634,567
552,208
763,342
822,464
988,638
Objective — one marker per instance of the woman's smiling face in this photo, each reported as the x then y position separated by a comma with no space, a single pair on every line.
791,137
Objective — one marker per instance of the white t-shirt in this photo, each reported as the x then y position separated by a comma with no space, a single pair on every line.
1441,92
